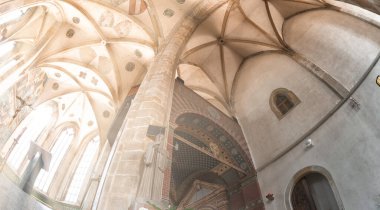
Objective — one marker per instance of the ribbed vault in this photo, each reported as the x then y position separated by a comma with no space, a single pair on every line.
91,53
234,33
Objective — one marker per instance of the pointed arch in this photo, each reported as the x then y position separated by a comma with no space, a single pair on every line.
32,129
58,151
83,170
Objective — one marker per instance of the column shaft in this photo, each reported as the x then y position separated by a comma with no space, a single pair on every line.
151,106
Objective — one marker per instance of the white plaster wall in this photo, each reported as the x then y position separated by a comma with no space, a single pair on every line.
340,44
266,135
347,145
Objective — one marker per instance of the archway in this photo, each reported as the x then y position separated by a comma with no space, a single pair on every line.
209,167
313,188
313,192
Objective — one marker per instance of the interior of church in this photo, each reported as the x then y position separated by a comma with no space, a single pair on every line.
190,104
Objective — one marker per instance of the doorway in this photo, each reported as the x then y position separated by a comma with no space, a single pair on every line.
313,192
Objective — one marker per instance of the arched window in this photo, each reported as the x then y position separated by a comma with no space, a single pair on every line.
282,101
12,16
29,130
82,170
58,151
313,192
7,48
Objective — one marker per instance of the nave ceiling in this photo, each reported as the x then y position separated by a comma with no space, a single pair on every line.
92,52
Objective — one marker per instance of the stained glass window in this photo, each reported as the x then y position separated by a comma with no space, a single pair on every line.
12,16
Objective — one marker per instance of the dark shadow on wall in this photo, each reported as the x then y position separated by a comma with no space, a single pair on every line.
371,5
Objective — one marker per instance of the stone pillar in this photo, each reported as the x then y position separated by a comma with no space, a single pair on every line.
151,106
167,174
31,173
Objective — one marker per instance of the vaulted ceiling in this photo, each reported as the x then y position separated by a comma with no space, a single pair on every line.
94,51
234,33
